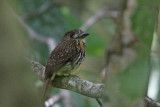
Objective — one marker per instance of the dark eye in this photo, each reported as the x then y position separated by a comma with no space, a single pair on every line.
71,35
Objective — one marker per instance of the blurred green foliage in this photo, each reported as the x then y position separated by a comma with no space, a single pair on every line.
17,88
54,23
60,18
134,79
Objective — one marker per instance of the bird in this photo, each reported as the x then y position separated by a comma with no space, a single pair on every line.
66,57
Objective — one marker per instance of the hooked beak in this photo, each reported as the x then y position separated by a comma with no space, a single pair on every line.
83,35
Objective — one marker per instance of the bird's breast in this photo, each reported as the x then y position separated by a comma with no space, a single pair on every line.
81,45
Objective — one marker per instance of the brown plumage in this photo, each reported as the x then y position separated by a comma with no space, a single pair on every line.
66,57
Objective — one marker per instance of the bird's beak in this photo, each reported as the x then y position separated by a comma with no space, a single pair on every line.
83,35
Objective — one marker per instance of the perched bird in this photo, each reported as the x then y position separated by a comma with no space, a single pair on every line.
66,57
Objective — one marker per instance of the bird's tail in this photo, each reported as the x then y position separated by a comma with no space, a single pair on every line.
45,86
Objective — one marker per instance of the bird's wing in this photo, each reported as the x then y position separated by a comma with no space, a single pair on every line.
59,57
62,54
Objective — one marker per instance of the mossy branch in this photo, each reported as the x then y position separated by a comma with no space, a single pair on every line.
73,83
79,85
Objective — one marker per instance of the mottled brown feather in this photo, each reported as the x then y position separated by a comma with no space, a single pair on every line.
63,53
66,57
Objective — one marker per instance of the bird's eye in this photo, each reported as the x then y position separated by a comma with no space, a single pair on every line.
71,35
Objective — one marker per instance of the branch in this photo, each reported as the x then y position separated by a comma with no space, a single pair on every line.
66,96
73,83
40,10
53,100
63,95
120,52
102,13
34,35
76,84
151,103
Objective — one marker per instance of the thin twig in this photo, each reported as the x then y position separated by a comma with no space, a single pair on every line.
100,14
99,102
120,52
40,10
63,95
48,5
66,98
35,36
151,103
51,101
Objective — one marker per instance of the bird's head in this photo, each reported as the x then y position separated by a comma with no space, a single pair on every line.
76,34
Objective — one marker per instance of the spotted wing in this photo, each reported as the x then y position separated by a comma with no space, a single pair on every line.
61,55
